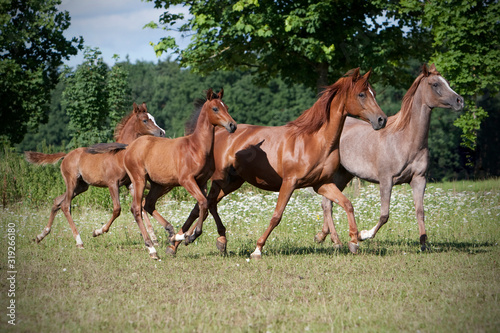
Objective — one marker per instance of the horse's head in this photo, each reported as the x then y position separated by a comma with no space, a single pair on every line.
437,91
144,123
217,111
361,100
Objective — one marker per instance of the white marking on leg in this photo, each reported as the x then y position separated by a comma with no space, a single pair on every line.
78,240
257,252
152,250
179,238
367,234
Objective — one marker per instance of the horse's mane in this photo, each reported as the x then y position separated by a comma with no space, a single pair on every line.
119,127
190,124
313,119
400,120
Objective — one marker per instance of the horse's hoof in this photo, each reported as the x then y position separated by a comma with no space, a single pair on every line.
320,237
337,246
37,240
94,233
154,256
424,248
221,245
170,251
353,247
79,246
254,256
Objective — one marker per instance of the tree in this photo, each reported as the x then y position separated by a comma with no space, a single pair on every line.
302,41
94,99
32,47
466,49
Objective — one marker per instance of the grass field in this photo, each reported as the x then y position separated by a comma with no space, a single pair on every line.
390,286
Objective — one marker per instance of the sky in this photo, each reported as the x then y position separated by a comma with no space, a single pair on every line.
116,27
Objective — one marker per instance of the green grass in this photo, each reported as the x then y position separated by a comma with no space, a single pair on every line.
390,286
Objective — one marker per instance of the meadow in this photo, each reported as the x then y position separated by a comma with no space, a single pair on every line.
298,286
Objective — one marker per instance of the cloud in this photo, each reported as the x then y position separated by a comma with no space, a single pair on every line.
116,27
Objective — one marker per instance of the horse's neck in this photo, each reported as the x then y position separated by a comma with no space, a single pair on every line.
203,134
332,130
127,133
418,128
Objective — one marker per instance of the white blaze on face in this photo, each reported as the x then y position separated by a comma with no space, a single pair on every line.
447,85
154,122
371,92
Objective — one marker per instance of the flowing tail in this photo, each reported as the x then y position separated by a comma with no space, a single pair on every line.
43,159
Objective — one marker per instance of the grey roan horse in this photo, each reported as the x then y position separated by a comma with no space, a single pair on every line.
395,155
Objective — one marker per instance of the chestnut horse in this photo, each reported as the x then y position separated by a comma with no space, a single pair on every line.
303,153
88,166
397,154
166,163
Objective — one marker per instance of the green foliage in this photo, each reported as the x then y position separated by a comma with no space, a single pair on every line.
301,41
94,99
465,49
32,46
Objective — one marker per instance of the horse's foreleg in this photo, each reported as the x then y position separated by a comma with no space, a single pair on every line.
385,202
199,193
285,193
331,192
214,197
114,192
418,186
55,208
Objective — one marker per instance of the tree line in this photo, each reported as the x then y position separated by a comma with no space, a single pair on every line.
272,57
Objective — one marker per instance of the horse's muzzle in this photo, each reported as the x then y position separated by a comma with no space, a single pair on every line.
379,122
231,127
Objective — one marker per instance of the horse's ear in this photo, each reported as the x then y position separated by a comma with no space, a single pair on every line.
210,94
136,107
367,75
355,74
221,93
144,107
433,68
425,71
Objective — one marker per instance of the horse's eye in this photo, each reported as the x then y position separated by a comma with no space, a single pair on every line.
434,85
215,109
145,121
362,95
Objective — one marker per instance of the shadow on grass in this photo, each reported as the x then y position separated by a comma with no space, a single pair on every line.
375,248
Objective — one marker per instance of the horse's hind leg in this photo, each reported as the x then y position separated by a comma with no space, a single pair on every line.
331,192
149,227
55,208
418,186
72,190
341,178
328,225
385,202
154,194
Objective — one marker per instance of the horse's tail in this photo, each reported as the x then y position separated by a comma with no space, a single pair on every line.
41,158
